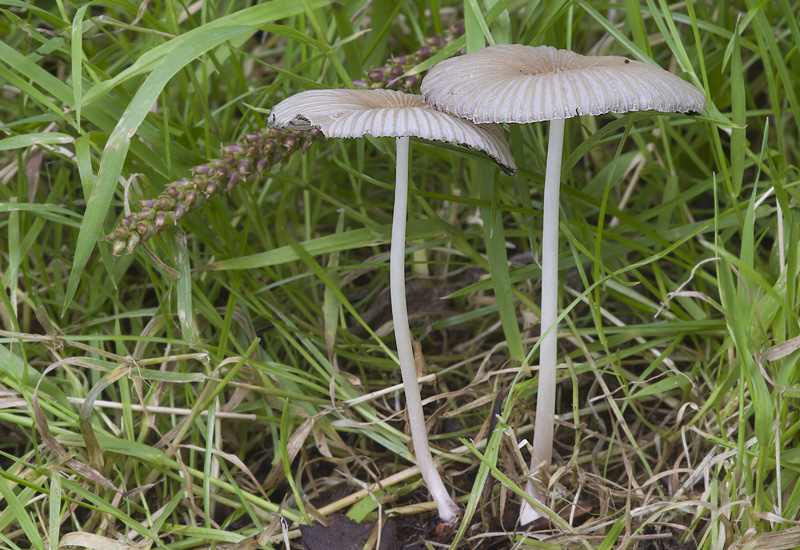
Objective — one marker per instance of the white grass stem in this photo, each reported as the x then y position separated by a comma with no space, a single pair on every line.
546,393
448,510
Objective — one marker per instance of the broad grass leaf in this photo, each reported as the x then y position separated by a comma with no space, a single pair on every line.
39,138
164,61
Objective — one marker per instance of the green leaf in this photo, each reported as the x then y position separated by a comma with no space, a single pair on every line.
738,136
662,386
77,60
286,424
498,260
16,510
54,506
501,27
244,21
28,140
345,28
613,534
477,29
349,240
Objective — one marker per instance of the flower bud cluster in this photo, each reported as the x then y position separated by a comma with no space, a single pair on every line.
245,160
248,158
391,75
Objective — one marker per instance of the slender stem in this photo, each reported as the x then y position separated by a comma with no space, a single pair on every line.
546,393
448,510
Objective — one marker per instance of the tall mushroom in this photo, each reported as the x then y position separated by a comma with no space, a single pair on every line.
389,113
522,84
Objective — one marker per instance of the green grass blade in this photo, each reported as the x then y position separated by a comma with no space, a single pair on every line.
738,135
16,510
337,242
77,61
54,509
494,235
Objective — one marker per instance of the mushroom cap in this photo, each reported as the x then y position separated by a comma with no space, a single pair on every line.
516,83
386,113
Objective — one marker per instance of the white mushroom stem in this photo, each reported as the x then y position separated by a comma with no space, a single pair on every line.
546,392
448,510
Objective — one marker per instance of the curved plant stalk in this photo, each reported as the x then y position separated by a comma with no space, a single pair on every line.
448,509
252,156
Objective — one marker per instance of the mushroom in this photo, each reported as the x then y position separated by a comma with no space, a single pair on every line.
389,113
522,84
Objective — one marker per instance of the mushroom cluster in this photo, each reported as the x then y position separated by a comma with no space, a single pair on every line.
463,99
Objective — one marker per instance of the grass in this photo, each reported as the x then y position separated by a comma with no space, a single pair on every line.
257,324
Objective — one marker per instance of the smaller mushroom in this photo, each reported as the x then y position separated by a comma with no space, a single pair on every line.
389,113
523,84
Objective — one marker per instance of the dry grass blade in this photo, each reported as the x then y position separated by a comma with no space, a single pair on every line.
93,542
55,447
85,417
